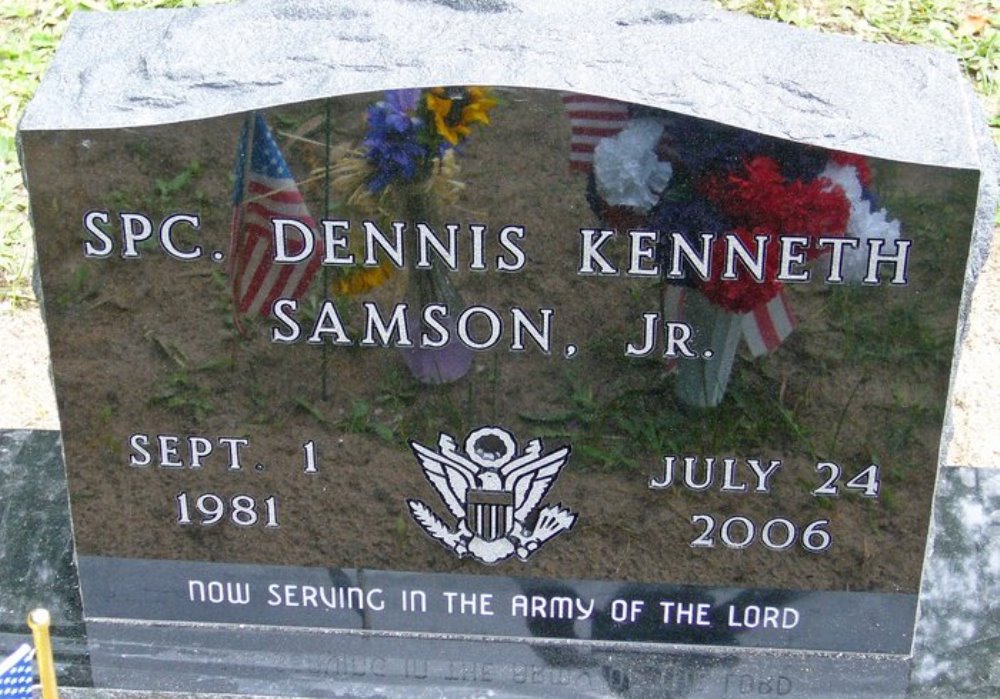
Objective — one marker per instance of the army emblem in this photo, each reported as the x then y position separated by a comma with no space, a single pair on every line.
493,493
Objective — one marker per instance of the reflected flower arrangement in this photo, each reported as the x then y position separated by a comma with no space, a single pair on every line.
679,175
410,131
406,168
725,180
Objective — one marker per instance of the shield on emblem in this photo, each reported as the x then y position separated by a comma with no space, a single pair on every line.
490,513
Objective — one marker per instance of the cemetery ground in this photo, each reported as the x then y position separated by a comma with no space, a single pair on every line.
781,400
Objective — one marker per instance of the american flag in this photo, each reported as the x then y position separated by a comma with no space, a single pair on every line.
264,190
17,673
591,119
767,326
763,329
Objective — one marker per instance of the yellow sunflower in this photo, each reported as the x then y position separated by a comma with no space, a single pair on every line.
455,110
360,280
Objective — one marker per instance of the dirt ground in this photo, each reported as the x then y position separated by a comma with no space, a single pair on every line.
28,399
146,348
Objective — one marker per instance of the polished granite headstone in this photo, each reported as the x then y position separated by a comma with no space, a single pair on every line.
577,384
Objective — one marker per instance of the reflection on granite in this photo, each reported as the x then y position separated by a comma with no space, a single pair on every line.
958,641
267,660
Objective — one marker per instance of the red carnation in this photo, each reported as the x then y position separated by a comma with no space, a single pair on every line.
623,218
759,196
745,293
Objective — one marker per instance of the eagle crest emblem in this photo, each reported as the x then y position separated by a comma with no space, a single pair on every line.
493,493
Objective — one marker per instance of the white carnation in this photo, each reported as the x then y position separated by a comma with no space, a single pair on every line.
866,225
846,177
863,224
626,168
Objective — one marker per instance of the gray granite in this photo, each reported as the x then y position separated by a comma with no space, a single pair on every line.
970,437
957,644
36,548
898,103
36,568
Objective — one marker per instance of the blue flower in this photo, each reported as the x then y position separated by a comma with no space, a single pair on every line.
403,101
392,142
702,146
690,218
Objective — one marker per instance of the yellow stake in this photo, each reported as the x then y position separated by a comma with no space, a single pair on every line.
39,622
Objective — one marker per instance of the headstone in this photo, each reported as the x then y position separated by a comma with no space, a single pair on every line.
389,322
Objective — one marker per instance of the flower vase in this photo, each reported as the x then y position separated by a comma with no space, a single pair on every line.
434,365
702,380
452,360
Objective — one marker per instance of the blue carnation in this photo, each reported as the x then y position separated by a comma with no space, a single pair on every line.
703,146
689,217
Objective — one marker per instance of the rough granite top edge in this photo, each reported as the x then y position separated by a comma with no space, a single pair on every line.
899,103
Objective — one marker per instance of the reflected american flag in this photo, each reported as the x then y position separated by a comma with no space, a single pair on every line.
591,119
264,190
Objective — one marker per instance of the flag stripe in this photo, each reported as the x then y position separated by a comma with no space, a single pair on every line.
584,145
274,283
598,132
268,210
784,319
277,194
768,325
672,309
306,275
254,273
262,272
767,336
256,232
591,119
24,652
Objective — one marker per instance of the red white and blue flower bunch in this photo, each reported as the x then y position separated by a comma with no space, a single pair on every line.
705,185
656,170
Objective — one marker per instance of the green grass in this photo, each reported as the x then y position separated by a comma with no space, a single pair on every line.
970,30
30,31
